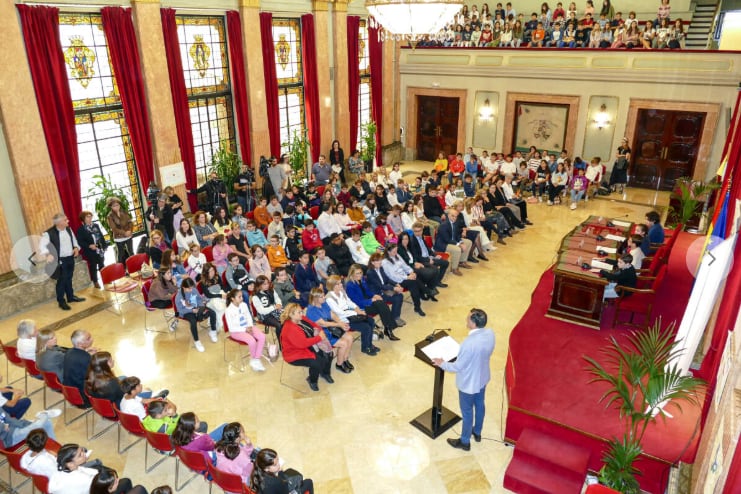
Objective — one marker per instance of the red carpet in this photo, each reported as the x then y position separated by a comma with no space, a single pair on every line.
548,384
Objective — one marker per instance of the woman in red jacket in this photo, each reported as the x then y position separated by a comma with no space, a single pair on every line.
301,338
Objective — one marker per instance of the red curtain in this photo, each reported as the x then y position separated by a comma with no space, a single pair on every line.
353,76
180,102
44,50
239,82
375,52
122,45
311,88
271,81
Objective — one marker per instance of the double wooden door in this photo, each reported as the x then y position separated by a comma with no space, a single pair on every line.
437,126
665,147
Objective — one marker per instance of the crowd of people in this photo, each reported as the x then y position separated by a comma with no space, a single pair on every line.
593,27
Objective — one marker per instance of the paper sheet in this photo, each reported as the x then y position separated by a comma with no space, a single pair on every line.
615,237
625,224
445,348
601,265
603,248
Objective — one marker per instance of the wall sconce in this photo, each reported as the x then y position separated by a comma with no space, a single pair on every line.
486,113
602,118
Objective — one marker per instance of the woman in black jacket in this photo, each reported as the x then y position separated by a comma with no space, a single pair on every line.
269,478
93,245
428,275
337,159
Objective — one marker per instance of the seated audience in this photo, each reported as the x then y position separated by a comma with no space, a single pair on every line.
373,304
107,482
233,452
26,342
259,264
299,339
401,274
266,477
655,234
49,356
77,361
267,303
191,306
242,327
349,313
190,435
162,290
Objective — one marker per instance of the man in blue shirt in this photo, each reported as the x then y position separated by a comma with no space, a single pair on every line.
473,374
655,231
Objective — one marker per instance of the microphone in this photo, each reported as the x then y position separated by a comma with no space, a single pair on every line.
431,337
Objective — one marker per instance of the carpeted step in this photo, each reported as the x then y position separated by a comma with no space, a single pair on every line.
543,464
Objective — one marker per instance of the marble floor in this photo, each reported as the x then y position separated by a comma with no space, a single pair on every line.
352,436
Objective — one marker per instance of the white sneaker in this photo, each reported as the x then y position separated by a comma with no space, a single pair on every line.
199,346
213,336
550,203
173,325
586,197
573,205
256,365
49,414
540,199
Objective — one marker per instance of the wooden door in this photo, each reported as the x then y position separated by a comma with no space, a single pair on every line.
665,147
437,126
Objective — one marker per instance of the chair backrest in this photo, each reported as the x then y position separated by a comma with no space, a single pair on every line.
130,422
226,325
195,460
135,262
112,273
102,407
314,212
145,291
229,482
11,352
31,367
41,483
52,381
14,458
159,440
174,305
73,395
659,278
320,190
174,247
209,253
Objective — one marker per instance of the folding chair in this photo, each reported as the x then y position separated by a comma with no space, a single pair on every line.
131,424
11,355
116,282
52,382
105,410
14,465
30,366
159,442
72,396
168,315
229,482
195,461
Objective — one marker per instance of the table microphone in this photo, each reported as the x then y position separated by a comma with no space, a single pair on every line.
431,337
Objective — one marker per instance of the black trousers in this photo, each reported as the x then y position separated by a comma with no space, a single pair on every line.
510,217
554,192
321,364
523,209
161,304
64,282
195,317
95,263
124,250
415,289
428,276
380,309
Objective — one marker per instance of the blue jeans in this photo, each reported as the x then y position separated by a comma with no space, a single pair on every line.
18,410
576,196
472,404
21,433
217,433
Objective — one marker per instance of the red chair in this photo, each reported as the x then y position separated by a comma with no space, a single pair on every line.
72,396
52,382
132,425
116,282
250,215
105,410
169,316
229,482
11,354
195,461
320,190
34,371
159,442
428,242
229,338
174,247
659,258
134,265
209,253
640,301
314,212
41,483
14,465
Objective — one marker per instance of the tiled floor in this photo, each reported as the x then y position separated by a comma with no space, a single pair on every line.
353,436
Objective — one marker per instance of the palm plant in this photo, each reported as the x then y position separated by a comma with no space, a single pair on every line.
227,164
298,155
368,138
643,376
690,196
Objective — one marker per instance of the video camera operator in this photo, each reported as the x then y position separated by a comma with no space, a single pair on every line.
245,187
215,191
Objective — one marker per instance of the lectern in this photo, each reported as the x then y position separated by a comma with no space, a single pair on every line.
437,419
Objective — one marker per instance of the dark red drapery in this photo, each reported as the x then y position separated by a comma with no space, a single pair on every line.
44,50
353,76
124,49
180,102
271,81
311,88
375,53
239,82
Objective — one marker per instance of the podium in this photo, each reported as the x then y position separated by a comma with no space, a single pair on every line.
437,419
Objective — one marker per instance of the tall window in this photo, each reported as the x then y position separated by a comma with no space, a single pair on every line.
206,67
103,139
288,69
364,96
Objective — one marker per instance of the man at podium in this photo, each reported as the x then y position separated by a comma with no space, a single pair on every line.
472,369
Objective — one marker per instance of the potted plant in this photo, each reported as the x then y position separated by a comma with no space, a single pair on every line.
642,377
298,155
368,144
227,164
689,202
104,188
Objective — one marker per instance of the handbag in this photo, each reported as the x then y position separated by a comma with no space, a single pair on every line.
336,332
357,318
293,478
146,271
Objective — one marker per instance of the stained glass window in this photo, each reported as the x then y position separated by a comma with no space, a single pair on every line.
288,69
203,52
364,96
103,141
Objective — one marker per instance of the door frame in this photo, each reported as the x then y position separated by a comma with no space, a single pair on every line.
413,92
705,147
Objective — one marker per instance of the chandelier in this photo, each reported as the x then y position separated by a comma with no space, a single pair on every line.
412,20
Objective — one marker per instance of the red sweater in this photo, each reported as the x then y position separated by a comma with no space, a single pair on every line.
311,239
296,346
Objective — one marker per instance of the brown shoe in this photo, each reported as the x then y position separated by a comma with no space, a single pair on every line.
456,272
465,265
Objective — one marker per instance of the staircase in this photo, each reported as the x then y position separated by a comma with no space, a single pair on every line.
543,464
702,23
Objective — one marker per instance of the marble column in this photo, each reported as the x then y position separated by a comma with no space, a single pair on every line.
320,9
24,135
341,89
148,26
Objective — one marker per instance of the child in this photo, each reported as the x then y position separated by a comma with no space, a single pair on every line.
274,206
195,262
276,227
312,196
469,187
368,239
299,220
277,255
579,185
344,195
191,306
594,175
383,232
322,265
260,265
161,417
238,277
310,238
292,245
220,251
261,215
283,286
132,403
239,219
255,236
306,277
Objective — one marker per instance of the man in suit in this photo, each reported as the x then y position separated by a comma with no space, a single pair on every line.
449,240
77,360
379,283
423,255
472,376
59,246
